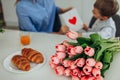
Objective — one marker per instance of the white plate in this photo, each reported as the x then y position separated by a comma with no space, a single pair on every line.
10,67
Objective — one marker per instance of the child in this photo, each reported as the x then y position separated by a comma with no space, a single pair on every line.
104,25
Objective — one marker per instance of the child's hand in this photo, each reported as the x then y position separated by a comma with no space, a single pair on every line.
64,29
79,34
85,27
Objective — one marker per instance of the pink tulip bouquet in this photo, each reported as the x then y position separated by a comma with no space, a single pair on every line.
85,59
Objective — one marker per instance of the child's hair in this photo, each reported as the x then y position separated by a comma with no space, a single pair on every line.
107,7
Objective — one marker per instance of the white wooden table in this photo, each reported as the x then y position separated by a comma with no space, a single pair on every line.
45,43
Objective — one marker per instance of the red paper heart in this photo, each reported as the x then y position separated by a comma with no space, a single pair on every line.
73,20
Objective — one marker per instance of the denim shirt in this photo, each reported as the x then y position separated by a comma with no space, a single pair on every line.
36,16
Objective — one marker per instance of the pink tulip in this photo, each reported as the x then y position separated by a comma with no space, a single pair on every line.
71,51
87,70
79,74
61,55
90,62
67,72
66,63
52,65
88,78
69,48
65,42
59,70
82,73
78,49
83,78
91,78
89,51
75,78
75,72
72,35
80,62
73,65
99,78
55,59
96,72
98,65
60,47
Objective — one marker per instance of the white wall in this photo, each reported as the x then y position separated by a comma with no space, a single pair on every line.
69,3
9,12
84,8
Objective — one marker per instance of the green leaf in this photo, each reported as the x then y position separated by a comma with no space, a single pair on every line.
95,37
107,58
77,56
73,43
84,45
82,40
1,30
105,68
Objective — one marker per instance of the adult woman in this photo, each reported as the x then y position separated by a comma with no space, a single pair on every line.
40,16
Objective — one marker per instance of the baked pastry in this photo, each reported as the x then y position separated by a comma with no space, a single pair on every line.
32,55
21,62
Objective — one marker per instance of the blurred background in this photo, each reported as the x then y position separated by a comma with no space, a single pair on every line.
8,13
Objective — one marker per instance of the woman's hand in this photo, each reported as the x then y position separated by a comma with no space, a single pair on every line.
64,29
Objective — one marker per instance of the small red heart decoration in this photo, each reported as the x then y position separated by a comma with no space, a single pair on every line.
72,20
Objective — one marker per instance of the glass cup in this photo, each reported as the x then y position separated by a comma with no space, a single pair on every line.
24,38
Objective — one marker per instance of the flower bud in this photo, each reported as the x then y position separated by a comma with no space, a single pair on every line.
72,35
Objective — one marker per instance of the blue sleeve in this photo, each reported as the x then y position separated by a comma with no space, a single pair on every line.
26,24
58,9
23,19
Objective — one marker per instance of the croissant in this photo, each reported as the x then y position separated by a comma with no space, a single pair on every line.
21,62
32,55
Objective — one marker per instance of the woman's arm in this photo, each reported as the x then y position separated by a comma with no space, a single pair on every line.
25,23
63,10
